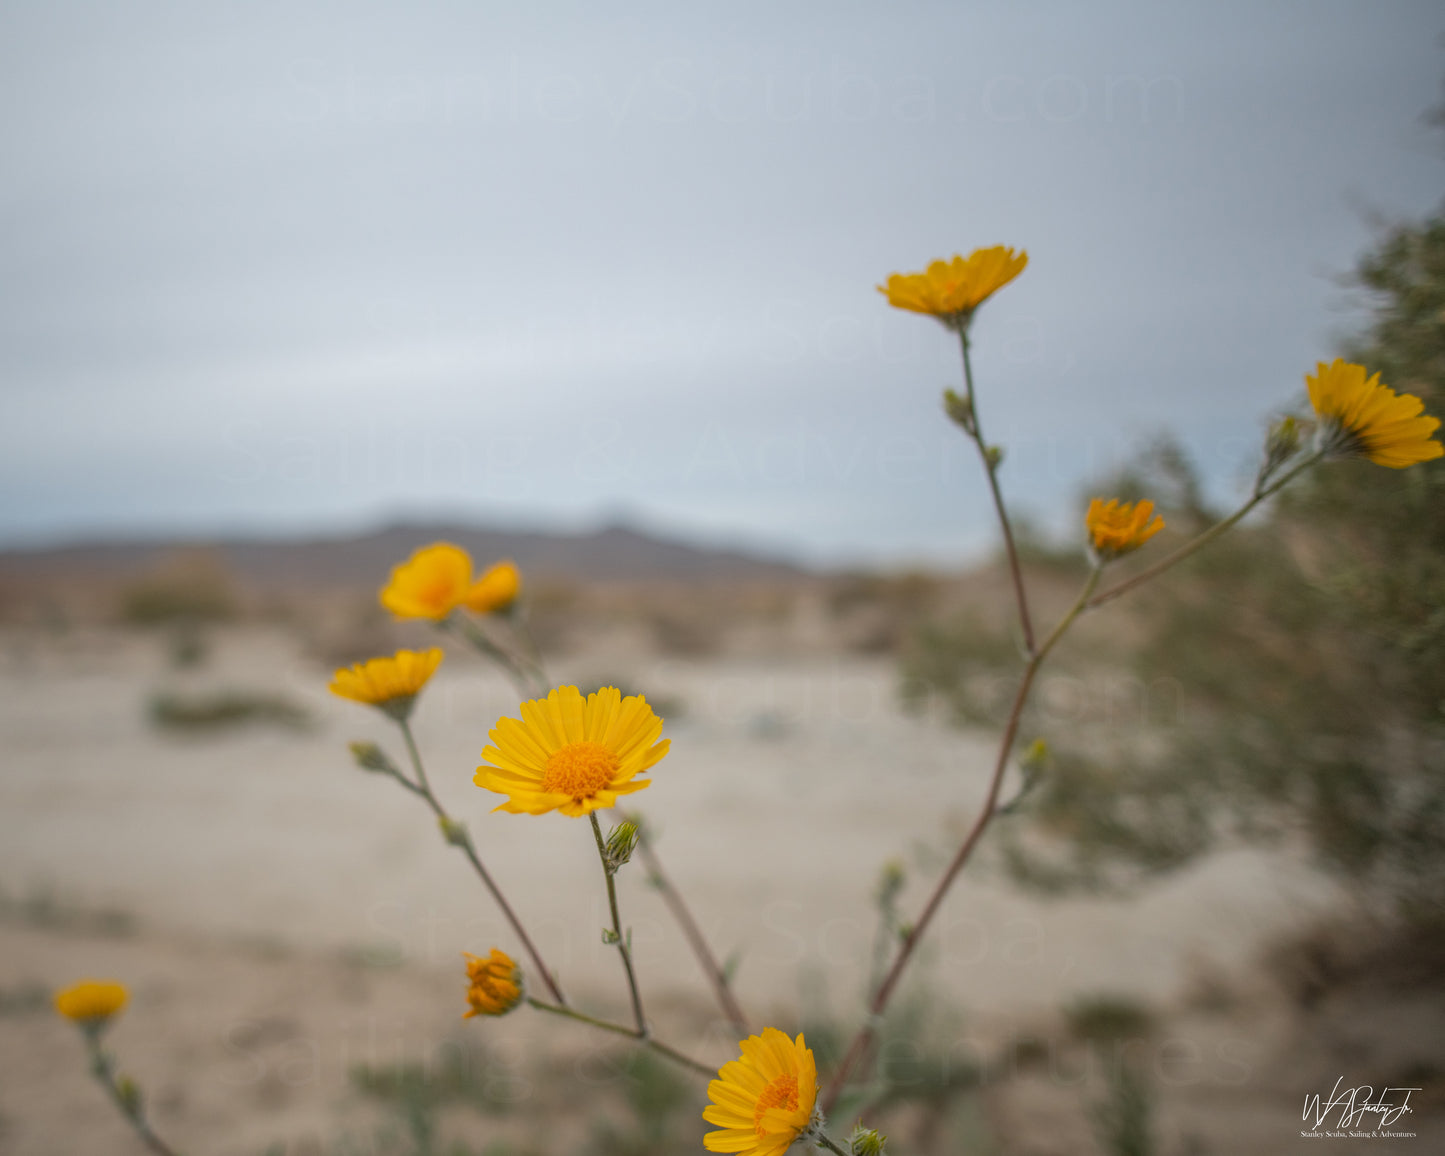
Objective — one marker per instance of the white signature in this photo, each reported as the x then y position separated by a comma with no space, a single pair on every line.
1354,1104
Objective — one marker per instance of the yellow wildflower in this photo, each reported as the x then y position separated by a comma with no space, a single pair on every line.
952,290
389,683
572,754
91,1001
1359,416
429,584
495,590
1117,527
495,984
765,1100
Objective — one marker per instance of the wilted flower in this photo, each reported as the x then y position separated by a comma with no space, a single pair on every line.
495,984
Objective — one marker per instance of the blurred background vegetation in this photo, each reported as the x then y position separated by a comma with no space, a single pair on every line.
1286,684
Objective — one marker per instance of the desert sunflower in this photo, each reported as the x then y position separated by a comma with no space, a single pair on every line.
438,578
572,754
391,684
1360,417
1117,527
495,984
765,1100
91,1001
495,590
952,290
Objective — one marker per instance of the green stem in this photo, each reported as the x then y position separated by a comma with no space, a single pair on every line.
863,1039
104,1072
821,1139
617,927
423,788
990,469
1202,540
526,682
630,1033
691,931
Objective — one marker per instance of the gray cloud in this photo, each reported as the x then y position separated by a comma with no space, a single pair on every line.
301,266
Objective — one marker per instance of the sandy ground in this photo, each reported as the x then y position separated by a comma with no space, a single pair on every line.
294,915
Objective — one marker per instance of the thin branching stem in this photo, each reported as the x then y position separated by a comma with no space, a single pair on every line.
990,469
530,677
631,1033
673,898
863,1039
423,788
617,936
102,1067
1261,492
1087,600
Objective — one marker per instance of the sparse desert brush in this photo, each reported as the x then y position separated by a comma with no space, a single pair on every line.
580,766
189,589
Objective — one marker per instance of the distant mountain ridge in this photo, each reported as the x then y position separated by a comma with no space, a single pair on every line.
611,554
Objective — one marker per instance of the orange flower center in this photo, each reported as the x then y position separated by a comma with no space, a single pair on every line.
580,770
781,1093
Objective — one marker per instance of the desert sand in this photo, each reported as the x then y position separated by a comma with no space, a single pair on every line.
281,915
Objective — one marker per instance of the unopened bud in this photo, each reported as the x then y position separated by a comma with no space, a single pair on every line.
453,831
1284,438
1036,756
370,757
994,455
620,844
610,937
866,1142
129,1096
959,409
890,882
1280,444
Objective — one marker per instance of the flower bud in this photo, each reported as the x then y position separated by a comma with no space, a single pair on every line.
621,842
129,1096
453,831
890,882
370,757
1036,756
866,1142
959,409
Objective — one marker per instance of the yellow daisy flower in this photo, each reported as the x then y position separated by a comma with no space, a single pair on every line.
430,584
495,590
1359,416
389,683
766,1100
572,754
952,290
91,1001
1117,527
495,984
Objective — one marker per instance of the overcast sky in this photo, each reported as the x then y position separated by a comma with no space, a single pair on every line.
297,267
